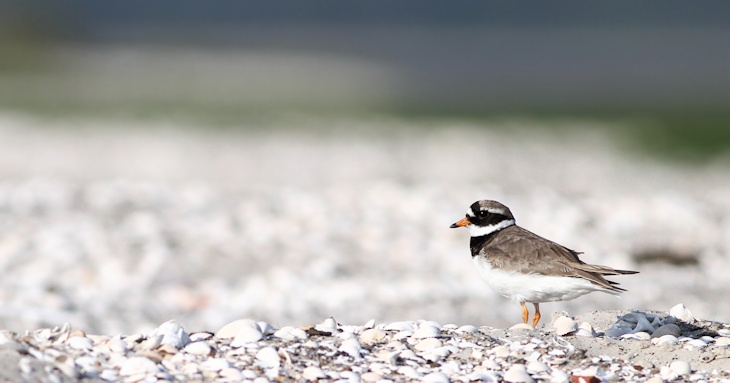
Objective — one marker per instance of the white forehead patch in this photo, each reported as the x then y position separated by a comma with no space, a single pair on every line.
470,213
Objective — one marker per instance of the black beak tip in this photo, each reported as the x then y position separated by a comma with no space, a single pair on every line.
453,226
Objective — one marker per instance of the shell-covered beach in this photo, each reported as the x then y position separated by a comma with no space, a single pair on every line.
116,227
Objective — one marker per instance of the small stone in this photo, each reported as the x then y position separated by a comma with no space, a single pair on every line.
313,373
667,329
518,374
565,325
373,335
138,365
230,330
681,312
681,367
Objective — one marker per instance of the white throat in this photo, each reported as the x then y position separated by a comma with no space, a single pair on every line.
478,231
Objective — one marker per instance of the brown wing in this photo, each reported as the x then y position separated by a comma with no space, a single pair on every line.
542,256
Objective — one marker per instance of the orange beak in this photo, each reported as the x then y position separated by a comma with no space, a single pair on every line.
460,223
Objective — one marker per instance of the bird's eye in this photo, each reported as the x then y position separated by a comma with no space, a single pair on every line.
483,213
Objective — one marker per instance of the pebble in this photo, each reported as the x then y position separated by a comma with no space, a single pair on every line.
667,329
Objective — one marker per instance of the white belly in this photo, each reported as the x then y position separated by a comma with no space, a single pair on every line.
533,288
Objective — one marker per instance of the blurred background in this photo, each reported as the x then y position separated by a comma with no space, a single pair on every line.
293,161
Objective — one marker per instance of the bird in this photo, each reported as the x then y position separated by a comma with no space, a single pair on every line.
525,267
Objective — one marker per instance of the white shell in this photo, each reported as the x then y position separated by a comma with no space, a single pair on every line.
138,365
351,347
426,331
246,335
681,312
436,377
231,329
400,326
329,325
427,344
522,326
215,364
268,357
198,348
586,329
537,367
373,335
467,329
518,374
290,333
722,341
681,367
173,334
665,339
313,373
266,328
80,343
231,374
565,325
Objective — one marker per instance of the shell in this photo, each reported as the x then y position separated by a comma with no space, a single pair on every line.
467,329
290,333
521,326
80,343
722,341
586,329
436,377
518,374
427,344
231,329
426,331
665,339
198,348
246,335
215,364
351,347
268,357
565,325
400,326
373,335
681,312
138,365
313,373
681,367
173,334
329,325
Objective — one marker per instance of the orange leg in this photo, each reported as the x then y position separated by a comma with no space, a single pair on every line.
536,318
525,313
